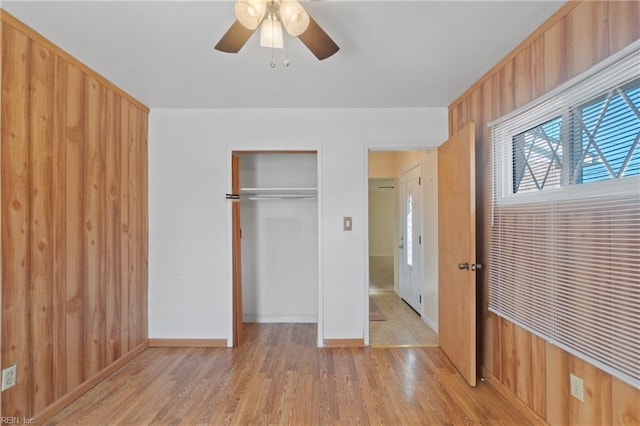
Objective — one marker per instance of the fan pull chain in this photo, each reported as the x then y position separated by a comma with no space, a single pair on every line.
273,42
273,61
286,52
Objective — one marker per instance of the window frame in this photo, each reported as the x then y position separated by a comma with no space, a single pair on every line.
618,70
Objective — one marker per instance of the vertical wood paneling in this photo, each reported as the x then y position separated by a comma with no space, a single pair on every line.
1,204
496,100
509,363
523,364
557,385
453,120
475,116
489,333
523,78
41,233
134,222
463,114
625,409
144,202
507,88
538,375
555,55
66,152
74,213
500,361
124,226
624,24
113,233
140,227
596,408
537,68
15,218
95,227
59,229
587,36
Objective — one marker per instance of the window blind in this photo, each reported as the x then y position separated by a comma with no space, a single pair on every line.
564,253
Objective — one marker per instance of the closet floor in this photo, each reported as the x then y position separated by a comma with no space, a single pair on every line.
402,327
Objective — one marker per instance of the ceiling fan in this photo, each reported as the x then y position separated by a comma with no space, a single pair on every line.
273,15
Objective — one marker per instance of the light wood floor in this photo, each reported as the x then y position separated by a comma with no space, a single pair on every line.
403,325
280,377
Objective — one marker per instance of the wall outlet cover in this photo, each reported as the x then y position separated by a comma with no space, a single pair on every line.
576,387
9,377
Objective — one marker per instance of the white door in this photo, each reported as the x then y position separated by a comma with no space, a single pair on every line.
411,238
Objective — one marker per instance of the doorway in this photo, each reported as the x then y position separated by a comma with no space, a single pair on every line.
402,278
275,238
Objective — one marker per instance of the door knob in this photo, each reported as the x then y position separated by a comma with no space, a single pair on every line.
464,265
476,266
401,246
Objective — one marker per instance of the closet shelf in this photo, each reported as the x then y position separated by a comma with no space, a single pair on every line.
278,193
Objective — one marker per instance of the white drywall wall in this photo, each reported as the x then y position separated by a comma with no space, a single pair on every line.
382,220
279,240
190,220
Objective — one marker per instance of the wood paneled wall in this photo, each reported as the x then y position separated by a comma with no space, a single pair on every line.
74,221
578,36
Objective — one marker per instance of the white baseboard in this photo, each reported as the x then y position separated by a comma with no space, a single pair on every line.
430,323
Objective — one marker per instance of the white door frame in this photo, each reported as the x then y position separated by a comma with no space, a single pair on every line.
318,151
367,150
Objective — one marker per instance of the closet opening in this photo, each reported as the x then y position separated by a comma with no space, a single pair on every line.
275,238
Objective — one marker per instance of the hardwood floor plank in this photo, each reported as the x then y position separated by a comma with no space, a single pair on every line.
279,377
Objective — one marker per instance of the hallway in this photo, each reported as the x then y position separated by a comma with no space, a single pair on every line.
397,324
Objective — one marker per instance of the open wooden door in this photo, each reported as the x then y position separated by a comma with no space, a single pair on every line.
457,251
236,248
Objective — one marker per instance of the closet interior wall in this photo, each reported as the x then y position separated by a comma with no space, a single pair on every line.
279,222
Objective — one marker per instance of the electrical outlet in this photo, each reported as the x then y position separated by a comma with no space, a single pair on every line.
577,387
9,377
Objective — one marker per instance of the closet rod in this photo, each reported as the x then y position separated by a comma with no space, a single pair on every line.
279,197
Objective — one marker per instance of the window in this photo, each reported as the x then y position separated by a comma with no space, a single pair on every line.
603,143
564,249
409,230
537,157
607,133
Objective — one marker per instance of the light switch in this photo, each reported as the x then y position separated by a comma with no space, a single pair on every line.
347,223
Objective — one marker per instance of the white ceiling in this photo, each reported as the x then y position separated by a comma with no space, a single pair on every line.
393,53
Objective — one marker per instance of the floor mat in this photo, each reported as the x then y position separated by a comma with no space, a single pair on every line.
375,314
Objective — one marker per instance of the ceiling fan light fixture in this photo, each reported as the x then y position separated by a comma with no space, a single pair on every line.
271,33
250,12
294,18
273,15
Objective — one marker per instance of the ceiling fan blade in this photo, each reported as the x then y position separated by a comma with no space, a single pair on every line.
317,41
235,37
